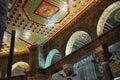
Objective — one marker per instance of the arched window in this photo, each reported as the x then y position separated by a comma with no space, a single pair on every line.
85,67
109,19
76,41
19,68
53,56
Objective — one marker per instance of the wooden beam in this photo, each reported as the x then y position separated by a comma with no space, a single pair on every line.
84,51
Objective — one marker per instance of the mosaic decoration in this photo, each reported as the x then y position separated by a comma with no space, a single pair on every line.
46,11
76,41
117,16
53,56
39,22
109,18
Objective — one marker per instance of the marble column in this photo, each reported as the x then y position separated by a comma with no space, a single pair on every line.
68,70
103,55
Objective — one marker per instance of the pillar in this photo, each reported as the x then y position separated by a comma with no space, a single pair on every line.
103,55
36,71
33,61
33,57
68,70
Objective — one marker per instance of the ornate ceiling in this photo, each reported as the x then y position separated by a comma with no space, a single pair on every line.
38,20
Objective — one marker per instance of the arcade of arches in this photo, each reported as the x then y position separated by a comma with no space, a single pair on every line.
73,42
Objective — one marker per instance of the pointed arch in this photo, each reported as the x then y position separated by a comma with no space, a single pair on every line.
53,56
77,40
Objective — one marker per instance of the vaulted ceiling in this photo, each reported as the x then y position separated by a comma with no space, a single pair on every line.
38,20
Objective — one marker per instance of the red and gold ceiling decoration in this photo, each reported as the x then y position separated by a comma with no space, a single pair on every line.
39,20
46,11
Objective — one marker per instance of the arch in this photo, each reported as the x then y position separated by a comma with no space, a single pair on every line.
77,40
84,67
110,18
19,68
53,56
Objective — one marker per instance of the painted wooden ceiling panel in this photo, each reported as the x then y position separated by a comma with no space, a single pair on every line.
39,20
